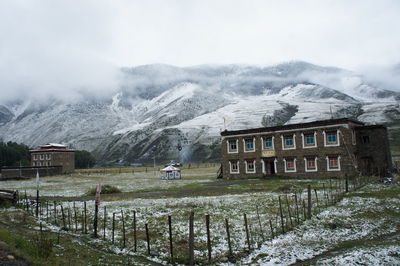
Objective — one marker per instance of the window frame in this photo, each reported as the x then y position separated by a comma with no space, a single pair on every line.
264,140
246,162
229,146
328,167
304,140
294,170
231,169
284,137
328,144
310,159
245,144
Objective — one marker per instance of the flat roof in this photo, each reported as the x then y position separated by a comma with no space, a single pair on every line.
52,150
292,126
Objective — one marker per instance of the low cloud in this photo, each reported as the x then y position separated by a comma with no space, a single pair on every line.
51,50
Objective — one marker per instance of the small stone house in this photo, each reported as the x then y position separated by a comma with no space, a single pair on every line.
328,148
53,154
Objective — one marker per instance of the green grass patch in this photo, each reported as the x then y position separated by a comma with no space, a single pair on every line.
105,189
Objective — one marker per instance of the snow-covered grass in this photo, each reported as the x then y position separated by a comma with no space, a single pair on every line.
261,208
79,183
352,232
332,235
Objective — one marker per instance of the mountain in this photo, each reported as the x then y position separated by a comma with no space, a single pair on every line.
159,108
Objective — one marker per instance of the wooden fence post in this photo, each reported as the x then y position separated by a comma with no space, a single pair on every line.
123,229
246,228
63,217
297,208
55,213
104,223
272,229
95,220
83,222
75,218
37,203
191,239
171,247
69,217
134,232
85,217
309,201
147,238
289,212
208,237
47,211
113,228
281,214
228,235
259,223
326,195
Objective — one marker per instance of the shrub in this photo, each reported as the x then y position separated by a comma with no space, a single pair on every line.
106,189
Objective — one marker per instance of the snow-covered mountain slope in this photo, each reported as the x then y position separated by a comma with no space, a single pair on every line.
159,108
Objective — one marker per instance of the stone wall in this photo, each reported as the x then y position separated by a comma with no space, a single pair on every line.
29,172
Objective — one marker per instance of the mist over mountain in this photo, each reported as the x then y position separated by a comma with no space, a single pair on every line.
157,108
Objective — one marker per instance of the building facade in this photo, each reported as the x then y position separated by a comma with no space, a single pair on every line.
53,154
329,148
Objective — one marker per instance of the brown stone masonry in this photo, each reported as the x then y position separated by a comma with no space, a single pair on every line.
329,148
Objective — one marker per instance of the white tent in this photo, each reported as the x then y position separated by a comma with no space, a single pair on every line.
170,172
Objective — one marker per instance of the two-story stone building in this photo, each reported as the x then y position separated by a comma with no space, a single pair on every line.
329,148
53,154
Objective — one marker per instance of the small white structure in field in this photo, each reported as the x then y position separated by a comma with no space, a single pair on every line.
170,173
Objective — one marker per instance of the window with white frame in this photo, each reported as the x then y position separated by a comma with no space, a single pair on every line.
234,167
35,157
250,166
249,144
290,164
48,156
331,138
232,146
38,164
333,162
309,140
310,164
268,143
41,156
288,142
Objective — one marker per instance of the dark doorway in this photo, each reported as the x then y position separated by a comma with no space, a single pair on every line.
366,165
272,166
269,166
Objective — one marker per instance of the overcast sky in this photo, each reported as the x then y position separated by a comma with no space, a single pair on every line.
79,44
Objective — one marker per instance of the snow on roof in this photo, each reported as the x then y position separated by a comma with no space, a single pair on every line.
56,145
170,168
53,145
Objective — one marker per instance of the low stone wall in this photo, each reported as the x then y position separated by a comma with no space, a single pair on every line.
28,172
